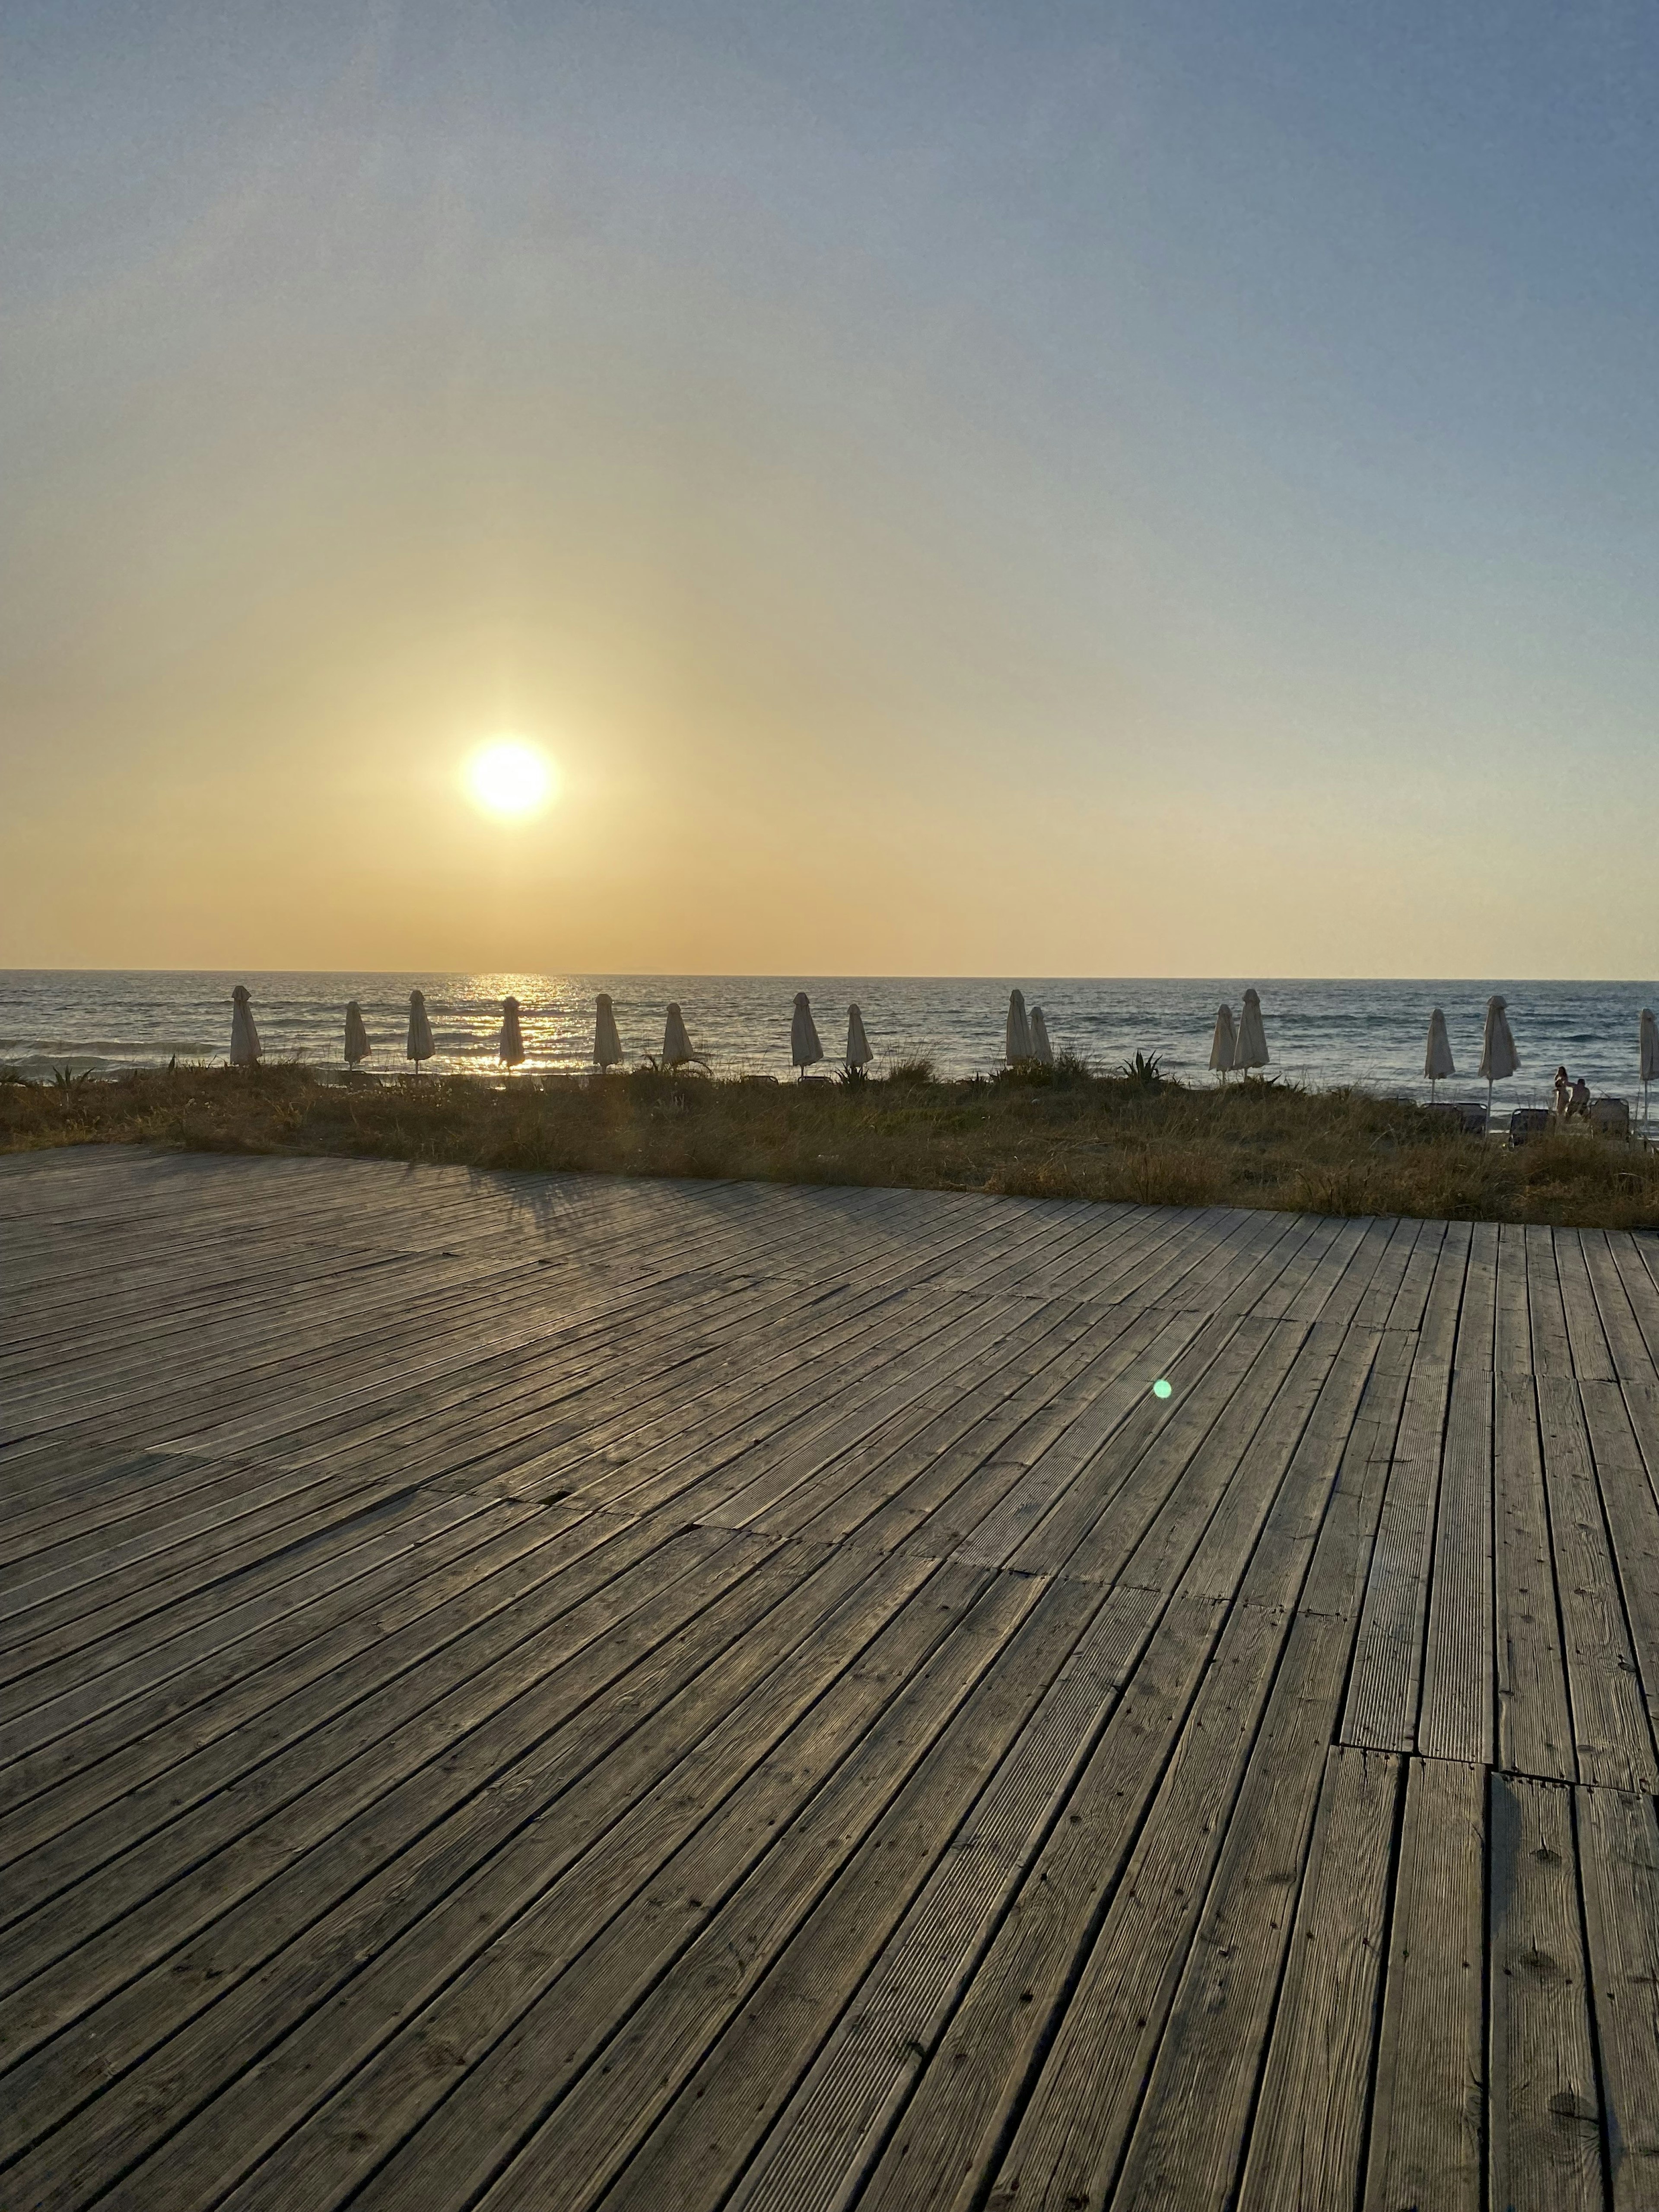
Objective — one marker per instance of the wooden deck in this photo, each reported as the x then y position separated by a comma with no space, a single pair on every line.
545,1692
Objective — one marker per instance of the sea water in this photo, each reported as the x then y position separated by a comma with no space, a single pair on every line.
1320,1034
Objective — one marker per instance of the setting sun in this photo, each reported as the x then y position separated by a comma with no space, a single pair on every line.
511,780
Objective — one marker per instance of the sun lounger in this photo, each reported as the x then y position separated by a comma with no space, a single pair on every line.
1528,1122
1610,1117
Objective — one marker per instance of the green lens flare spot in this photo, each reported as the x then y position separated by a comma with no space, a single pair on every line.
1163,1389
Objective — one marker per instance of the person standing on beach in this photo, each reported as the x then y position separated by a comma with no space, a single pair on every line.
1560,1094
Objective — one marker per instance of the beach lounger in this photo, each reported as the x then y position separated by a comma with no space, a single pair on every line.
1610,1117
1528,1122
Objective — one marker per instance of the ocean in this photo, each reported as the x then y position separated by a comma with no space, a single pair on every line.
1318,1033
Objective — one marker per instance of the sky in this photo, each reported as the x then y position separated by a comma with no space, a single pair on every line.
1152,490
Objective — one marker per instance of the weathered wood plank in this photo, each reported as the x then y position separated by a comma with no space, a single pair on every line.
1429,2107
1455,1719
1545,2131
1619,1864
1306,2144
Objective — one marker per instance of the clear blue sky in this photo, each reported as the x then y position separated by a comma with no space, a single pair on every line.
1150,489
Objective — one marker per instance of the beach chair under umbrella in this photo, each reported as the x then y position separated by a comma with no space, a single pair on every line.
1223,1044
859,1054
1649,1046
1438,1055
804,1050
607,1045
1250,1048
1016,1037
676,1043
420,1045
511,1044
1499,1057
1041,1051
357,1047
244,1046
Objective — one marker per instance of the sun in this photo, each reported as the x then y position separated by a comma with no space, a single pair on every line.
510,779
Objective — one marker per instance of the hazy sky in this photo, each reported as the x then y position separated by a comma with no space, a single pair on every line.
1053,489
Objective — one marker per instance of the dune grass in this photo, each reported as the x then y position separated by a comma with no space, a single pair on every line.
1064,1135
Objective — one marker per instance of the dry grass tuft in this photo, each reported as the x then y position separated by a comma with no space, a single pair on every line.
1064,1133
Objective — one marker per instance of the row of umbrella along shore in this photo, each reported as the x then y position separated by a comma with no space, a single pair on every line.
1236,1048
677,1049
1025,1035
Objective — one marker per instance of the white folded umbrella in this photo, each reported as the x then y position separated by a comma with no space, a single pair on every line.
357,1038
244,1046
419,1047
1041,1050
1017,1039
1437,1056
859,1054
676,1044
511,1045
1499,1057
607,1045
1250,1048
804,1046
1221,1044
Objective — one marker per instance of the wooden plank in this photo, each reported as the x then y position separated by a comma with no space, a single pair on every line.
1428,2110
1592,1355
1619,1865
1455,1719
1512,1345
1422,1271
946,2138
1552,1347
1076,2119
1385,1685
1633,1521
725,1905
1477,1320
1612,1737
1545,2098
591,1814
1306,2144
82,1949
818,2140
1534,1714
1624,1338
1444,1306
1186,2144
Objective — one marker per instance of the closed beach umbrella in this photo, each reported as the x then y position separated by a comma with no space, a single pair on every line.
357,1045
676,1044
1499,1057
804,1046
1437,1058
1650,1045
1041,1050
1017,1044
512,1049
419,1047
244,1046
607,1045
1221,1044
1251,1049
859,1054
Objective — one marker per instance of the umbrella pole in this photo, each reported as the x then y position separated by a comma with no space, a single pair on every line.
1489,1084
